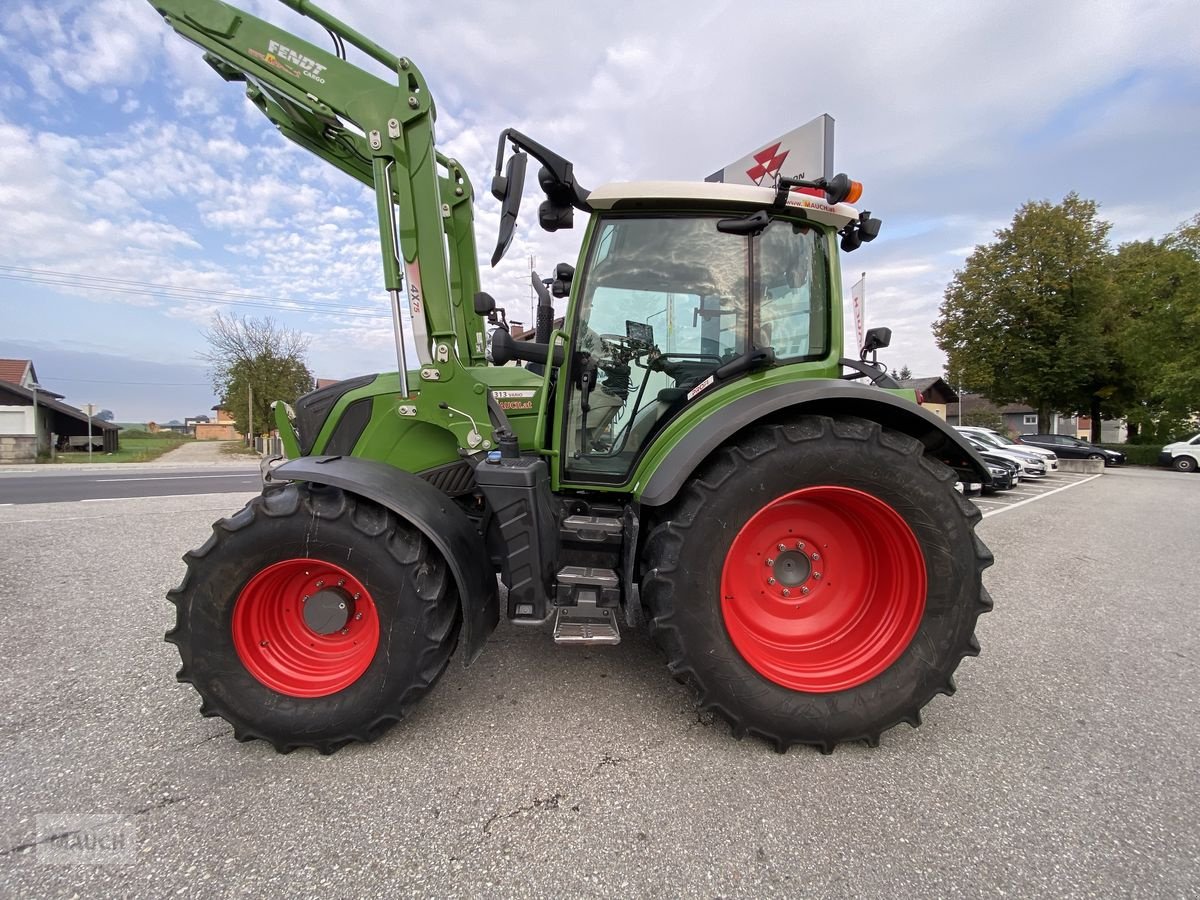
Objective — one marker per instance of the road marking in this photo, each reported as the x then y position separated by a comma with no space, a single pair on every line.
155,497
178,477
1065,487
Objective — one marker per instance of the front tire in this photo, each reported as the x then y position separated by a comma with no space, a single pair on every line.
313,618
817,581
1183,464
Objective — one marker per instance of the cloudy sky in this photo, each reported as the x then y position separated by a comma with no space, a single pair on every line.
127,164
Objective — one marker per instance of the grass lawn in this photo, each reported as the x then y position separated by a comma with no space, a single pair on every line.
136,446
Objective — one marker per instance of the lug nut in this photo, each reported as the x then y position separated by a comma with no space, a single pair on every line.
341,581
357,616
799,545
305,598
770,581
356,596
817,576
321,583
780,547
815,557
345,631
770,562
786,592
804,589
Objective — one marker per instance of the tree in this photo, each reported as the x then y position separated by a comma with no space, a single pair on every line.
1157,291
904,374
249,356
1021,321
986,418
105,415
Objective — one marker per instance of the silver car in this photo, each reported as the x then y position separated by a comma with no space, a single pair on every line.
1000,441
1030,463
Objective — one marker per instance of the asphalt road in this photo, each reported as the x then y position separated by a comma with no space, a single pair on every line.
1065,766
122,483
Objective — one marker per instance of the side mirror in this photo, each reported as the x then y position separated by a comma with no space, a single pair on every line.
877,339
510,186
485,303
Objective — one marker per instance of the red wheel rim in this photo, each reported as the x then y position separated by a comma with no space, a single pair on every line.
277,645
823,589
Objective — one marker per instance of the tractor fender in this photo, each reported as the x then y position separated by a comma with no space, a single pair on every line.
819,396
430,511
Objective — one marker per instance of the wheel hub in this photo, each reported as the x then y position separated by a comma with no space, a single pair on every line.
328,610
792,568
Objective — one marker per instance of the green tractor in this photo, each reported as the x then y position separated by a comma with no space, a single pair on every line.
688,452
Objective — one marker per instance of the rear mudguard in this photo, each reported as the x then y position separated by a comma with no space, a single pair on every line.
434,514
822,396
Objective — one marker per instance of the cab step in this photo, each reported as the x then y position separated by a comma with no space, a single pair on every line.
580,618
573,625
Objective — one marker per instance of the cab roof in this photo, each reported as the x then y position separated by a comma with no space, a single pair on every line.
627,195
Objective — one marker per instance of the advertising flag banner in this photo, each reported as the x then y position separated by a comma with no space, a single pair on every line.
858,300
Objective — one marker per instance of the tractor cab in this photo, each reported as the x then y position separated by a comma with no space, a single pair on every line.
677,297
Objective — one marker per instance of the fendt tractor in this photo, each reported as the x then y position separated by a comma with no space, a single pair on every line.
689,452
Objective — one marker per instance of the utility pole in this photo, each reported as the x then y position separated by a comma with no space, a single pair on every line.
37,439
90,408
250,417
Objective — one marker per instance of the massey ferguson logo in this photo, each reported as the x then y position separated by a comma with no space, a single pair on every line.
278,53
769,162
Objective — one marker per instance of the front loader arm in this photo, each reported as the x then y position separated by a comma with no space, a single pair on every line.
379,133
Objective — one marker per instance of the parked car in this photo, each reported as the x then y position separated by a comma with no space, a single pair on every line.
1182,455
1068,447
1030,463
1004,442
1002,476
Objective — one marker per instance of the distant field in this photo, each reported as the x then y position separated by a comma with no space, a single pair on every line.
136,446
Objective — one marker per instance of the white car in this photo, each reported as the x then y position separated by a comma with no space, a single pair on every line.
1182,455
1030,463
1004,442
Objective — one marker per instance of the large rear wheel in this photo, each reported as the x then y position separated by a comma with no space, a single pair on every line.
817,581
313,618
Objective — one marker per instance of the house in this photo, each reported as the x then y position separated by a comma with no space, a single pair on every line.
221,428
1020,418
936,395
34,419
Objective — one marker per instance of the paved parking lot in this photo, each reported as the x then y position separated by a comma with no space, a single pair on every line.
1064,767
1028,491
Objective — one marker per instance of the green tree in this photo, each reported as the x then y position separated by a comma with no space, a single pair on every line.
255,357
1157,301
1021,321
904,374
986,418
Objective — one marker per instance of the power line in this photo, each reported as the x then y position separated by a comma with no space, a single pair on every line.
100,381
51,278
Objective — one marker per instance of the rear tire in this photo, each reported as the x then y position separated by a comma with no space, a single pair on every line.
1183,464
244,620
892,595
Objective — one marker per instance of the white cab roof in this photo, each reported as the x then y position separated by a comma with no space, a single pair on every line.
632,194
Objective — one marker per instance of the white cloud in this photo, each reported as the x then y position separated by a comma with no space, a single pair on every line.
952,114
